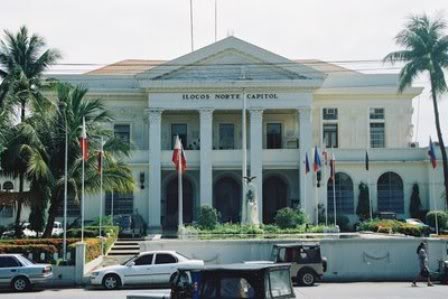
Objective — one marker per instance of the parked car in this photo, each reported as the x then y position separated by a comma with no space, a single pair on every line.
307,263
233,281
20,273
57,231
442,273
152,267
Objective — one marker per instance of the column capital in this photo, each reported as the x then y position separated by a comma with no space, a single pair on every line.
206,110
304,109
154,114
255,110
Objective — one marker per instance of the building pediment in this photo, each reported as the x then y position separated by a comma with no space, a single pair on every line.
230,61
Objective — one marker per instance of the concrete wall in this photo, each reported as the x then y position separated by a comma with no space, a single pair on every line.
357,259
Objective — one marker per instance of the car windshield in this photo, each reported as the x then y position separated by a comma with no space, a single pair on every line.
128,260
274,253
280,282
25,261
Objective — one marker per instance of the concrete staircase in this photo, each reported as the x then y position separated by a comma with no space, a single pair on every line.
126,247
121,251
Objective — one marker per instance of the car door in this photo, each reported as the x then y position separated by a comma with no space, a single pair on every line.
9,267
140,271
165,265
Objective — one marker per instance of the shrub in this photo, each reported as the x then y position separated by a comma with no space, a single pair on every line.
342,221
392,226
35,249
208,217
442,218
93,231
289,218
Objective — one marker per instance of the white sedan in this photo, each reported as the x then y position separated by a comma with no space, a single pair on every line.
152,267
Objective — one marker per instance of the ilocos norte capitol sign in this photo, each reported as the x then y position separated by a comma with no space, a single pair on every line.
229,96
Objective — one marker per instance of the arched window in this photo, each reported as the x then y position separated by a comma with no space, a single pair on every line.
344,194
390,193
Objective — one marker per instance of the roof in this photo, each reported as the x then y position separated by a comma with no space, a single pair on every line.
235,267
138,66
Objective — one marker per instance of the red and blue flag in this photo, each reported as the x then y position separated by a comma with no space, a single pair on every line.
432,154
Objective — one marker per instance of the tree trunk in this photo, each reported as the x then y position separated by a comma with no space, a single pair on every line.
21,181
440,137
52,213
17,230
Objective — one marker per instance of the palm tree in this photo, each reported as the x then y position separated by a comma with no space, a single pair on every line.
46,163
23,61
425,51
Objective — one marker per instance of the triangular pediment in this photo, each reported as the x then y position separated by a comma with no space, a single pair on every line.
231,59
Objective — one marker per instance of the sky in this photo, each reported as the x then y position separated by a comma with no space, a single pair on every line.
106,31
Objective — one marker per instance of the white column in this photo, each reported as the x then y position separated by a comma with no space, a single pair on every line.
155,155
206,174
306,145
256,155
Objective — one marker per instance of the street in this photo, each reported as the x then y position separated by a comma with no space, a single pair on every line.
325,290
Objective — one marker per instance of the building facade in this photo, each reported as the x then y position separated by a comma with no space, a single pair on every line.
292,106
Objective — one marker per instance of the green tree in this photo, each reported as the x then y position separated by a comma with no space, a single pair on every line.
425,51
363,208
23,60
46,162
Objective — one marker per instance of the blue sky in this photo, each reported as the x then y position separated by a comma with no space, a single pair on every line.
105,31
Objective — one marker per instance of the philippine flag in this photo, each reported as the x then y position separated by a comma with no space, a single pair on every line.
432,154
333,167
83,142
179,159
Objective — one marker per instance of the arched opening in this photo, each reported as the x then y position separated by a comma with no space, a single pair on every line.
172,202
274,197
344,194
227,199
390,193
8,186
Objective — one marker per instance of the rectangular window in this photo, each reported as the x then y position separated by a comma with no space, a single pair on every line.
376,113
330,135
6,211
181,131
274,135
226,136
377,139
330,114
123,132
123,203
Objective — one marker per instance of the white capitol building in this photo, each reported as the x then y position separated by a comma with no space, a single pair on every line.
292,106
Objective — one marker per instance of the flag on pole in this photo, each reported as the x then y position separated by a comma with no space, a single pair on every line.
325,152
307,164
100,159
316,164
432,154
333,167
367,161
83,142
179,159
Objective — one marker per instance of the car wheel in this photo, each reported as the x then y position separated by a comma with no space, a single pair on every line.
20,284
306,278
111,282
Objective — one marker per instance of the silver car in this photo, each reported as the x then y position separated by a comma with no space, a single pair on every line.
20,273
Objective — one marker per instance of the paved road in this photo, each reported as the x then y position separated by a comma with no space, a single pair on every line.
327,290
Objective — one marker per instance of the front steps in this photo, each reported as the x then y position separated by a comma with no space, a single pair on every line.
125,247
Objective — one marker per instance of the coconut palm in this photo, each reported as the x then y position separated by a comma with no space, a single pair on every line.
425,52
23,60
46,155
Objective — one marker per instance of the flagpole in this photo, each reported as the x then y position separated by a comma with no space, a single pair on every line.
84,149
179,177
304,187
65,188
367,161
216,20
191,25
112,206
101,197
244,166
434,202
325,186
334,195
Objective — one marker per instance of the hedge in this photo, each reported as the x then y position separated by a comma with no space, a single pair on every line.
93,231
35,249
393,226
242,229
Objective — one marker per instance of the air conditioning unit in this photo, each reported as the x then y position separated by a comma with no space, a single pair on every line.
413,144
